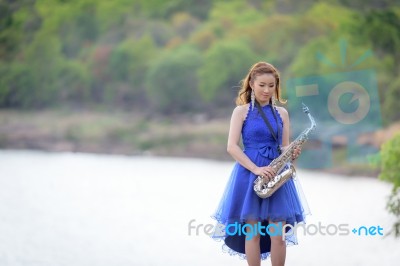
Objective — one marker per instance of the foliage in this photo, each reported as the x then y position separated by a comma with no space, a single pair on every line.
390,171
224,64
128,65
172,81
392,102
17,81
111,53
381,29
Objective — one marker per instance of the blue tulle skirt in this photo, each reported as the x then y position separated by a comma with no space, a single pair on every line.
240,204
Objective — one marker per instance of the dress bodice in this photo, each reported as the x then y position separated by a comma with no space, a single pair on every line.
256,134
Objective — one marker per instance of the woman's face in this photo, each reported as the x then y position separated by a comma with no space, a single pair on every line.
264,87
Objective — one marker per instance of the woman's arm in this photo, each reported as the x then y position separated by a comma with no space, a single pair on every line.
286,125
286,133
233,148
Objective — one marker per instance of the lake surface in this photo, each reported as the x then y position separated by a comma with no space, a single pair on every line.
82,209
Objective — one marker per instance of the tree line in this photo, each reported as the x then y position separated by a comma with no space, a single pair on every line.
183,55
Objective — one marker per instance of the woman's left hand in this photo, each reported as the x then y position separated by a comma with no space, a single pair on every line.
296,152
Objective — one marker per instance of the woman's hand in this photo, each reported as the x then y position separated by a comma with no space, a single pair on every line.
296,152
265,171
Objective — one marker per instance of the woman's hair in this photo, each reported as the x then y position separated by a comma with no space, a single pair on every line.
244,95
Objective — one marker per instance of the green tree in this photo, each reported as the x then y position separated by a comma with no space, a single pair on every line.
78,31
164,9
225,64
390,171
392,96
58,51
129,63
172,81
73,83
18,86
45,60
184,24
382,29
18,22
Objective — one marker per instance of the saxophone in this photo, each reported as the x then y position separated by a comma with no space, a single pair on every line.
282,164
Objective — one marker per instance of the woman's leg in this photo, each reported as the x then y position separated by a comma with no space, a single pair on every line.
252,246
278,246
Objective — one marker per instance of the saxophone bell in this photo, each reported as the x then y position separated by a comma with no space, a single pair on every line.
265,188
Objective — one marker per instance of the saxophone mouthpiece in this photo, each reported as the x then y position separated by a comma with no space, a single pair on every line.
305,108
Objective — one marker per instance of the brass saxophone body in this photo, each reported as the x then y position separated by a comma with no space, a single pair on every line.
282,164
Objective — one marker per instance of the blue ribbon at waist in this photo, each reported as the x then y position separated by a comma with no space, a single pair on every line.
266,150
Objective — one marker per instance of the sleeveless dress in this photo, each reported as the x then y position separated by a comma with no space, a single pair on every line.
240,203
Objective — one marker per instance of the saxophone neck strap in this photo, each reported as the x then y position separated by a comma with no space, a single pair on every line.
269,124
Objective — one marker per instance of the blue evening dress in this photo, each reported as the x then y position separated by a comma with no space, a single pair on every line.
240,203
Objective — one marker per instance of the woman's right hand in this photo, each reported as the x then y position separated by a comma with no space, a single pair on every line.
265,171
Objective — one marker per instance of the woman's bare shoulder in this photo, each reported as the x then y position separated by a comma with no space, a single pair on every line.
241,111
283,112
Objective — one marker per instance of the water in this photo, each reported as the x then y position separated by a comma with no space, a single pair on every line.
81,209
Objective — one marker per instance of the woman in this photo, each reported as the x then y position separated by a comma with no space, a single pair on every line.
240,204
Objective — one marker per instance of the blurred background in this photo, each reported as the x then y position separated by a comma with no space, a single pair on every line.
160,77
137,80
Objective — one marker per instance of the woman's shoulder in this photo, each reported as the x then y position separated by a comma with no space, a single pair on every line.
241,111
282,112
281,109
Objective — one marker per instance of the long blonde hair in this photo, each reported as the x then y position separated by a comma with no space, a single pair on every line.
244,95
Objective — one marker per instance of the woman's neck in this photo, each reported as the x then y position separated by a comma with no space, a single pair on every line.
262,104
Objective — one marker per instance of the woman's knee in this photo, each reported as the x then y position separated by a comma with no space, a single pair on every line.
277,240
251,232
276,235
253,238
